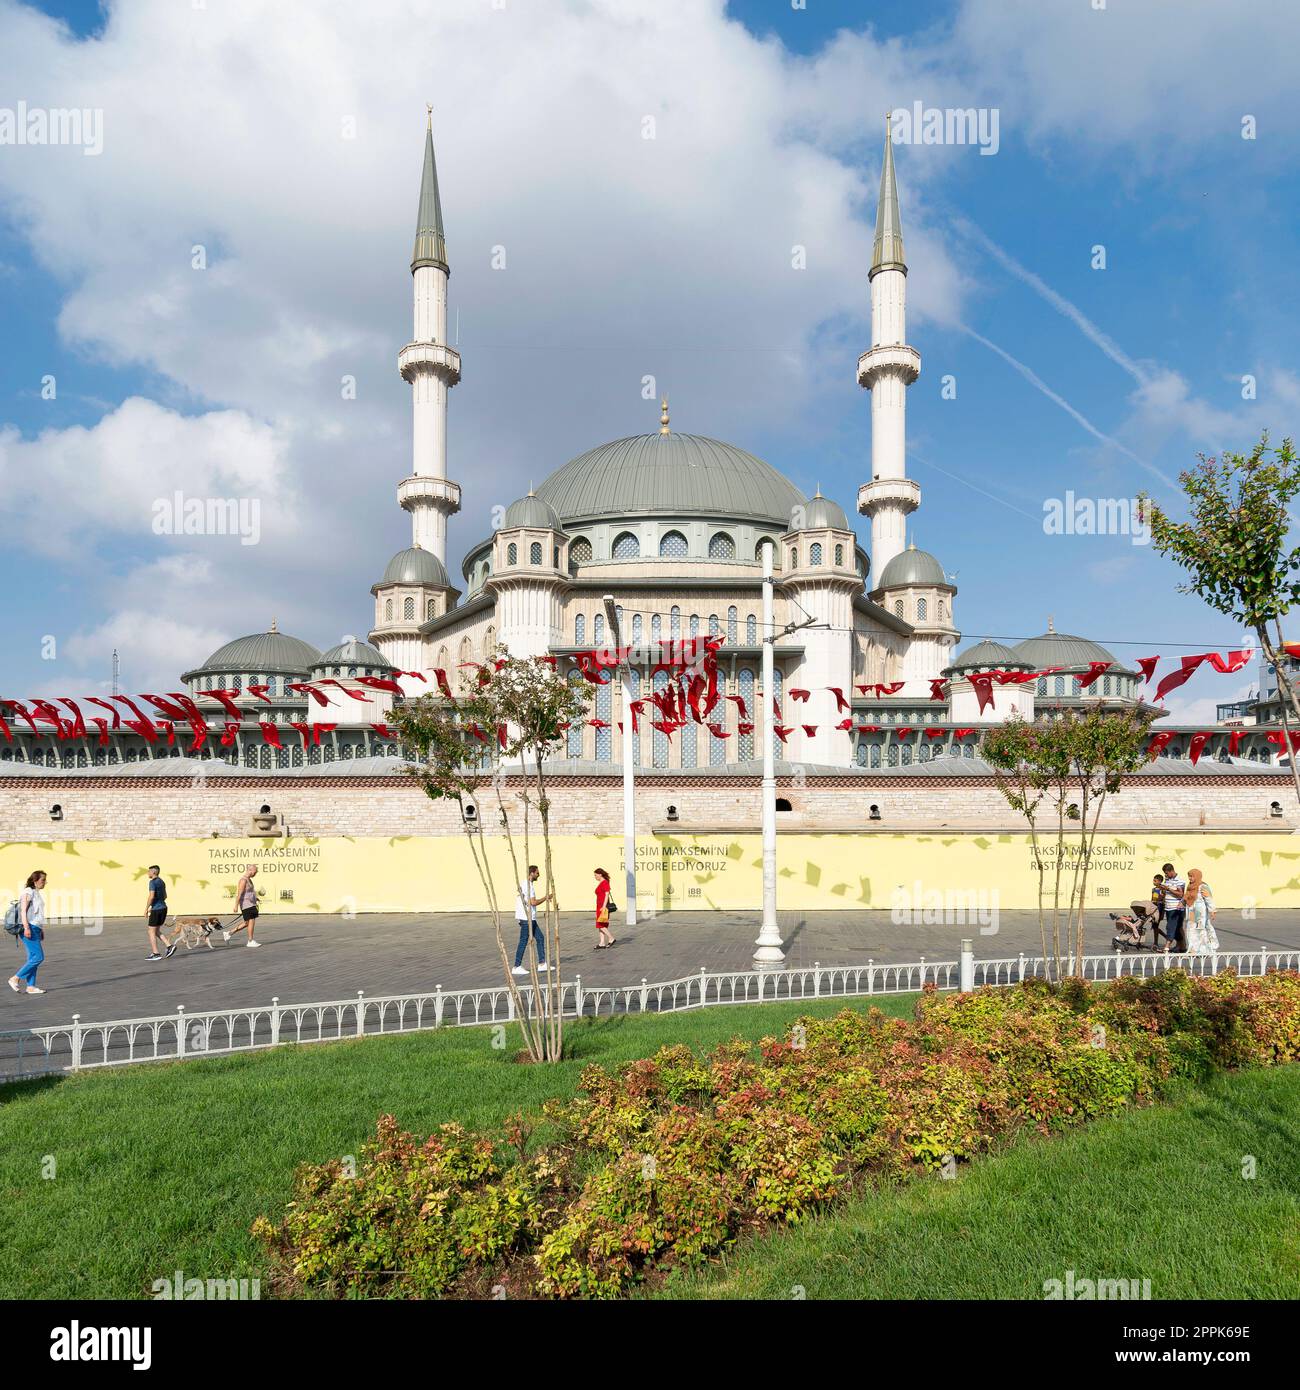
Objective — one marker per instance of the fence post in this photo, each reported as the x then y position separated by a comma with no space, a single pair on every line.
871,975
817,979
922,972
578,997
645,994
275,1019
361,1015
702,987
76,1041
1021,976
966,967
180,1030
437,1007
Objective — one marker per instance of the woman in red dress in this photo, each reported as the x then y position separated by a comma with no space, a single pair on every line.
602,911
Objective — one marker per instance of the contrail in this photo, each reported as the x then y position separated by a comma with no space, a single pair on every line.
1039,384
1058,302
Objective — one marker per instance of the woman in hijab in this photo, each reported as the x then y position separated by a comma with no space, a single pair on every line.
1201,937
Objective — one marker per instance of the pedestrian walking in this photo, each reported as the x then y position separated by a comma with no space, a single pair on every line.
155,914
246,901
31,918
1174,888
1202,940
603,906
526,906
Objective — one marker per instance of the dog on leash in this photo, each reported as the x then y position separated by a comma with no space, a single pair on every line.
196,931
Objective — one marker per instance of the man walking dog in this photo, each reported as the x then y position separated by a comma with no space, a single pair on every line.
155,914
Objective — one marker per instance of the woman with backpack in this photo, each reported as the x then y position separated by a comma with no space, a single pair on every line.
603,906
31,920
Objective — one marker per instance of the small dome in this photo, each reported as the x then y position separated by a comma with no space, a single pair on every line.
818,512
912,566
272,651
531,511
416,566
1060,649
351,651
986,655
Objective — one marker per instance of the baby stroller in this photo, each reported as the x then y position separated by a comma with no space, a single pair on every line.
1132,927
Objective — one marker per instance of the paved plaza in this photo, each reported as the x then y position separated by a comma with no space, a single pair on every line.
104,975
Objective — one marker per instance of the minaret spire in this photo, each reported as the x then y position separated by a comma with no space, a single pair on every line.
432,367
887,369
887,249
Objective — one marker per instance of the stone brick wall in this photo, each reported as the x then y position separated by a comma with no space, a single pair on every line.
172,808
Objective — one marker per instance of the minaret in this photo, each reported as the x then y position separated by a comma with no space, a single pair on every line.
432,367
887,370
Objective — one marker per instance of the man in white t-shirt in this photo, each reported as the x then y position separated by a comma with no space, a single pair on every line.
526,906
1175,909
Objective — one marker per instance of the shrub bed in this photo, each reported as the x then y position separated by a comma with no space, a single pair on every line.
668,1160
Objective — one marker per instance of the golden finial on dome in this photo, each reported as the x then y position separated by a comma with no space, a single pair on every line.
663,418
273,626
1051,626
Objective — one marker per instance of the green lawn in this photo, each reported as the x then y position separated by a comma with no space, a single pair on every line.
163,1166
1154,1194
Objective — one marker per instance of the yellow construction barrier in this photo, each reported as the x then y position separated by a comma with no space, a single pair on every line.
906,872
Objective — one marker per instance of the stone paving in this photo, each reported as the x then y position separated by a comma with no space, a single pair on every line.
105,975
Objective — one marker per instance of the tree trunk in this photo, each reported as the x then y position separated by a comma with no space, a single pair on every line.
1288,696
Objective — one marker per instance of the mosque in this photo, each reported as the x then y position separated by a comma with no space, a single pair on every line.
672,525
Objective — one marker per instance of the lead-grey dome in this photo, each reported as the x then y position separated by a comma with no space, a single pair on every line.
818,512
415,566
912,567
261,651
353,652
531,511
667,475
1060,649
986,655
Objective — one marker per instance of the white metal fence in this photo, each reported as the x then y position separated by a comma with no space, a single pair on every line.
77,1046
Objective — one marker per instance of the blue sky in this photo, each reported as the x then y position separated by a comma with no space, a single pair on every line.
1119,128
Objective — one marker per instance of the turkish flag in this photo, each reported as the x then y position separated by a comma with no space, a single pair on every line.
260,692
227,699
1234,741
1196,743
745,728
739,702
103,704
845,725
1095,670
983,687
934,733
20,710
501,736
79,724
232,731
1171,680
961,733
939,689
718,731
270,734
318,695
841,704
303,728
143,727
1234,661
904,733
868,728
547,660
782,733
636,707
800,695
318,729
102,725
477,732
1147,665
440,676
809,729
1159,743
598,723
383,730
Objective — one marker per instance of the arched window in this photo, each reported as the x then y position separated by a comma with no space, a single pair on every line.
751,631
794,558
672,545
1059,685
579,553
733,624
777,686
721,546
943,611
574,748
839,556
815,553
875,755
428,611
718,746
638,631
465,651
388,610
580,629
408,608
687,735
598,628
695,624
1042,685
1075,687
555,557
745,742
626,546
489,644
656,627
675,623
659,740
714,629
898,608
535,553
604,739
512,554
634,688
920,610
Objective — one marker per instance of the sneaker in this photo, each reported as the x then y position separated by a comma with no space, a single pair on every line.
154,956
14,983
519,970
254,943
225,936
171,950
541,966
31,989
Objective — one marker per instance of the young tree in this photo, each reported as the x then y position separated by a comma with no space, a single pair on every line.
513,709
1073,764
1236,549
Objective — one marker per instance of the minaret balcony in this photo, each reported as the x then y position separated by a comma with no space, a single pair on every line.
899,359
903,493
436,358
426,491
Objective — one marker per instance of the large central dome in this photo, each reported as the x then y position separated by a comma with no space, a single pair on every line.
670,474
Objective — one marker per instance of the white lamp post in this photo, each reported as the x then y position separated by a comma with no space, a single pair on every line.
629,784
769,953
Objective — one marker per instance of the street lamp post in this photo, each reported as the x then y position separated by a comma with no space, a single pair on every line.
768,954
629,784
